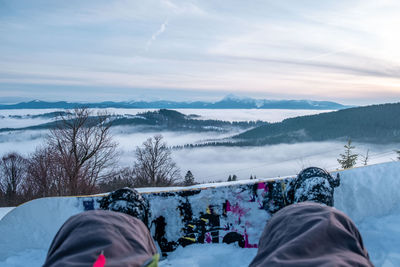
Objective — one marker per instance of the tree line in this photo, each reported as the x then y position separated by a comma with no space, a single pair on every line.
370,124
79,157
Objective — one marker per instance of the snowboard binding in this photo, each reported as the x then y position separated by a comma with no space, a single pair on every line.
128,201
311,184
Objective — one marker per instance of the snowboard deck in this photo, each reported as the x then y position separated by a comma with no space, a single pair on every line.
229,213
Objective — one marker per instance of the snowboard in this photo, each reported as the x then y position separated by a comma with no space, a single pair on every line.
231,212
227,213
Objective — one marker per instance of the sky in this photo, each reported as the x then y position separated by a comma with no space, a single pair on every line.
343,51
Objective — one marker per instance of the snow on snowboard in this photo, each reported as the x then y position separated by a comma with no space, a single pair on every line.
227,213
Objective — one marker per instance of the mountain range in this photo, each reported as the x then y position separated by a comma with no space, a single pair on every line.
229,102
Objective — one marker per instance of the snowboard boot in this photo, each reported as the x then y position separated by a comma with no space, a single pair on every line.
128,201
312,184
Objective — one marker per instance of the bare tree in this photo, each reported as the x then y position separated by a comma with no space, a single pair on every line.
83,148
123,177
13,168
365,158
154,165
45,175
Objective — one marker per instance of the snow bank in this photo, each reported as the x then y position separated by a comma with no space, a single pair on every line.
29,257
370,196
4,211
371,191
381,237
29,227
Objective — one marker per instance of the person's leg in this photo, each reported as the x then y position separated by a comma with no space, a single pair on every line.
308,232
122,239
118,231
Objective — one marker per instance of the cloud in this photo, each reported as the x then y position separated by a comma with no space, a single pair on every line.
366,70
217,163
286,49
156,34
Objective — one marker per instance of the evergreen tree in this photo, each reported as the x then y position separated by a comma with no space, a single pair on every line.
229,178
348,159
189,179
234,177
251,177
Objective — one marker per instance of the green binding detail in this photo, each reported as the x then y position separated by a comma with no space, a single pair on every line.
153,262
283,186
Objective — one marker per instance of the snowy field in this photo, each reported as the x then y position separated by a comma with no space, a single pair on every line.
369,195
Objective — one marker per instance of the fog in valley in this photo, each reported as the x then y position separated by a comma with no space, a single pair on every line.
208,163
217,163
269,115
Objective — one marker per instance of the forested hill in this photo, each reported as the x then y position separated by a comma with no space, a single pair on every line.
162,119
373,124
165,119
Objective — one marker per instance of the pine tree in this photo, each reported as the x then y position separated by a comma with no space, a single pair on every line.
230,178
234,177
348,159
189,179
251,177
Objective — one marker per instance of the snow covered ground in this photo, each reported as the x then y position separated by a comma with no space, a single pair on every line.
4,211
369,195
221,255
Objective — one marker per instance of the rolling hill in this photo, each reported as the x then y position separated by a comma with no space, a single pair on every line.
371,124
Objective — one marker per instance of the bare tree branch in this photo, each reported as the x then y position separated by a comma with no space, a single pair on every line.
154,165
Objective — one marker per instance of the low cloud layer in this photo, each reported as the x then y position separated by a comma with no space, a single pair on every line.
217,163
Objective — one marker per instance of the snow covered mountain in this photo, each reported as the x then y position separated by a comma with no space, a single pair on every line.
229,102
